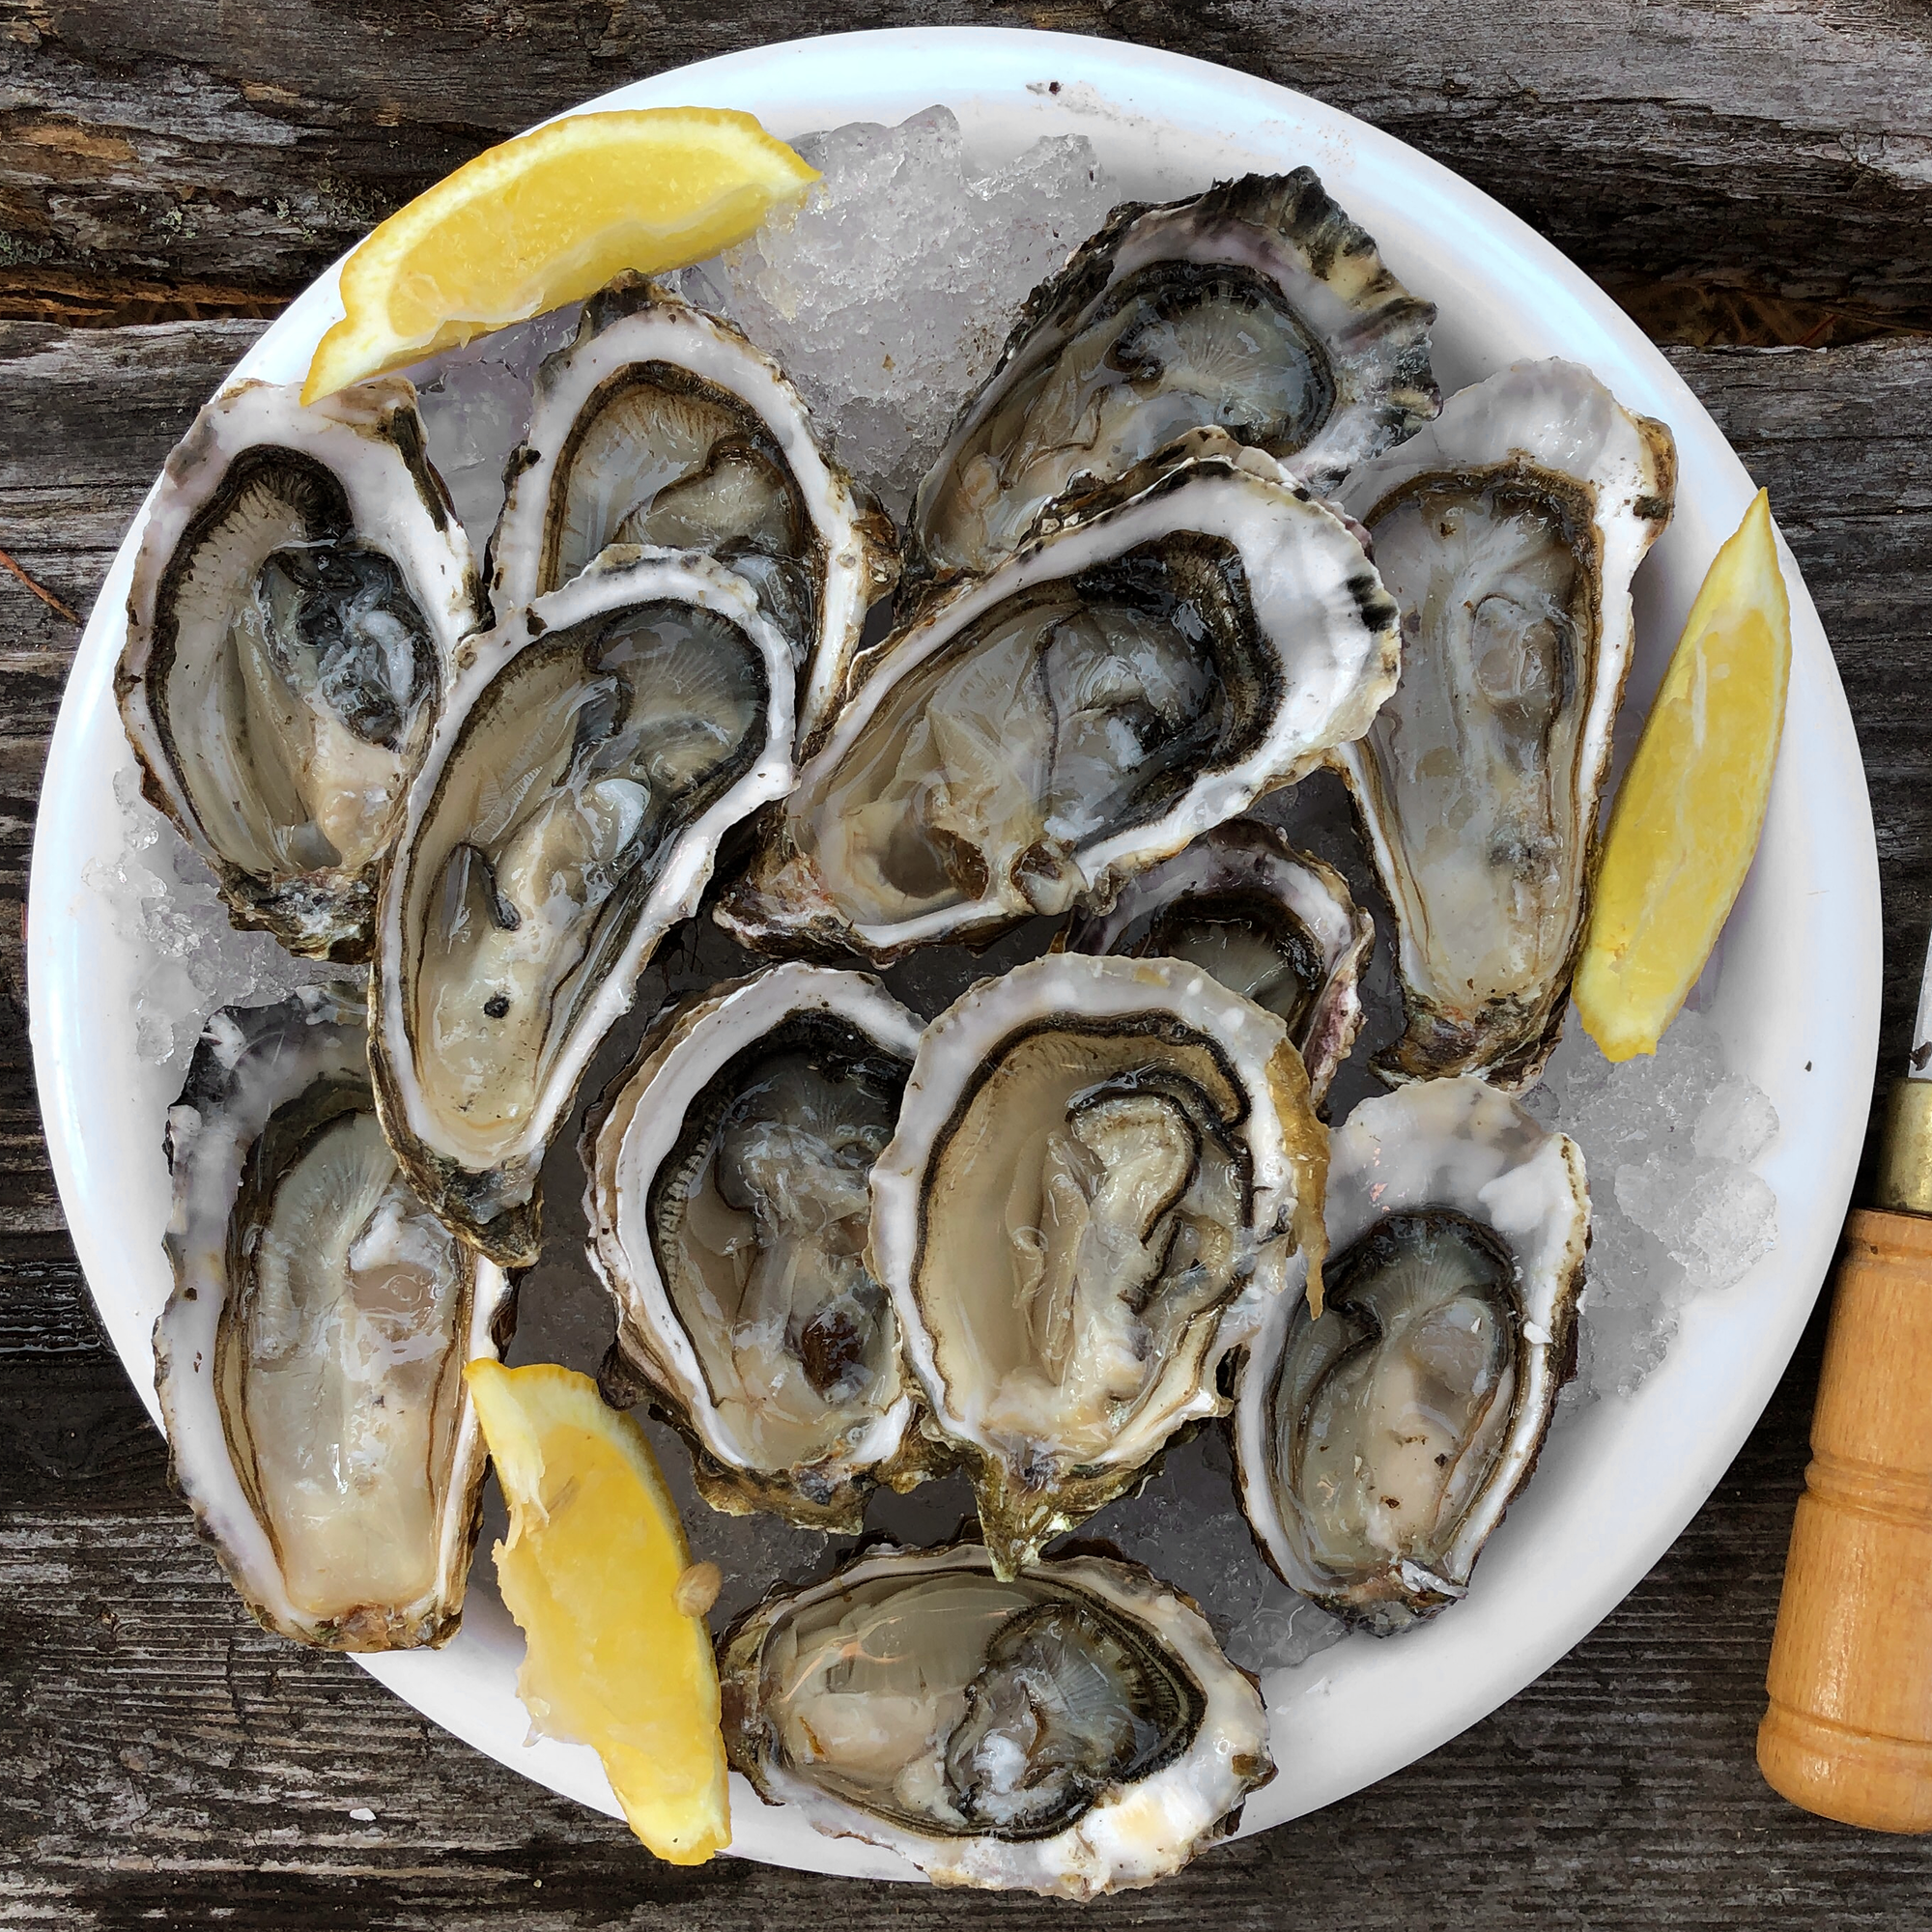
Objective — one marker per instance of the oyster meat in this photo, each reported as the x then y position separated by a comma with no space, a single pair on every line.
662,425
1276,926
301,585
1258,308
1380,1440
1072,1731
1145,670
1509,533
1101,1170
593,752
729,1204
310,1359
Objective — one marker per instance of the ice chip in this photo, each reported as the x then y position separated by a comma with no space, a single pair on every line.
474,414
1738,1124
1282,1633
1715,1218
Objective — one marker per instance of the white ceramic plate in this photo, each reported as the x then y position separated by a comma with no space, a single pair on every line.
1620,1482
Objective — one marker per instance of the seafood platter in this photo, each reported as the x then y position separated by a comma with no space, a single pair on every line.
1305,460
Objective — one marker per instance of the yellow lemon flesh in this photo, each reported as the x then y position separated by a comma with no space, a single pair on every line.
599,1577
549,218
1687,817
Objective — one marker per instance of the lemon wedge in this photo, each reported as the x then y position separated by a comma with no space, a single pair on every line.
549,218
599,1577
1687,817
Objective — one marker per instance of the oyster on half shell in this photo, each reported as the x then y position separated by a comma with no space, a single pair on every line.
301,585
594,750
1258,308
1147,668
1276,926
1378,1442
1101,1171
727,1200
1508,531
311,1360
1071,1731
662,425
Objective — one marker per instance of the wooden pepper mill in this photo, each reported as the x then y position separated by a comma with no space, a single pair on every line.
1849,1731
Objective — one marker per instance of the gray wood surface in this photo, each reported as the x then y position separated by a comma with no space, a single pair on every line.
161,1760
207,155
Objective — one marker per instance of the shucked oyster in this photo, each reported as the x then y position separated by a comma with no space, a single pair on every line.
728,1202
593,754
1509,533
1257,307
1146,669
1379,1442
310,1359
660,424
301,585
1101,1170
1271,923
1075,1730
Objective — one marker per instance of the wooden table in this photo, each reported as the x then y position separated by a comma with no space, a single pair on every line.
1740,172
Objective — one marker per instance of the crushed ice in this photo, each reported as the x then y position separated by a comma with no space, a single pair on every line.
168,912
1676,1208
887,297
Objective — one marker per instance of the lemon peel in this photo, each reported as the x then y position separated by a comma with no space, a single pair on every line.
599,1577
1691,809
549,218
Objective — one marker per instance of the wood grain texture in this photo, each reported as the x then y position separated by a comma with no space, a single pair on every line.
1849,1730
163,1761
219,155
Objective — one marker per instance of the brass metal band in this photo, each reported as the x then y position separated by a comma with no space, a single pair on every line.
1905,1150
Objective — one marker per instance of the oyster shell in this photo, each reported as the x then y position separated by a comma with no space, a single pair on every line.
662,425
1509,533
1146,669
1101,1170
1257,307
593,752
311,1360
727,1203
1074,1731
1378,1443
300,587
1276,926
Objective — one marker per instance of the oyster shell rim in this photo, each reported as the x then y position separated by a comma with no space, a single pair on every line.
1405,1593
1285,1217
1243,1751
625,574
185,1362
1087,275
328,913
1643,493
741,1012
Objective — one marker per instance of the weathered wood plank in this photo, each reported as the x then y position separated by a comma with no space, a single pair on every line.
162,1758
220,155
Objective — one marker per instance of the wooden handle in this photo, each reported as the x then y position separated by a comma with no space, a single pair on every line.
1849,1731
